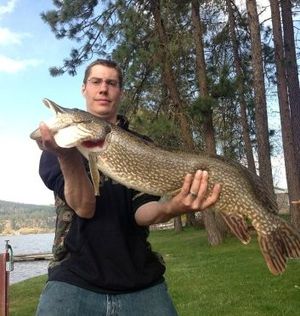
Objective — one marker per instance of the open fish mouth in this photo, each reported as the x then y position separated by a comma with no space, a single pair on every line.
79,136
93,143
74,127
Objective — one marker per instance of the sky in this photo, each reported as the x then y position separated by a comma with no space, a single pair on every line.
27,49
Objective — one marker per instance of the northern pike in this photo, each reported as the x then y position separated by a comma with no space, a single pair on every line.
145,167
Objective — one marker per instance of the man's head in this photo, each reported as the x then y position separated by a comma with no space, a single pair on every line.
102,88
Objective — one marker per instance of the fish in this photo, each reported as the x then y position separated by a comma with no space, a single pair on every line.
146,167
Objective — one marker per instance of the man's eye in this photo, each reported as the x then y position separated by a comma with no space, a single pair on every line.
112,83
96,81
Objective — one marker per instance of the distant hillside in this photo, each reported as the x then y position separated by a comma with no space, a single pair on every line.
19,218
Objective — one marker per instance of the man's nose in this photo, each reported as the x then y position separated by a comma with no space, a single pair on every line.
103,87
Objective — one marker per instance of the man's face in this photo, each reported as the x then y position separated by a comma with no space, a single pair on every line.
102,92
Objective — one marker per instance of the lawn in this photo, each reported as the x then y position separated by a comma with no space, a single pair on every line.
231,279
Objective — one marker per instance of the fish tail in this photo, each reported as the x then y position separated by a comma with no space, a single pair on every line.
278,246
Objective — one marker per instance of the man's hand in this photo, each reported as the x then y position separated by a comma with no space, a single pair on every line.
192,197
78,189
47,142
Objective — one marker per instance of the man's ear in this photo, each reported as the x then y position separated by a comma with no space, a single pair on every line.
83,89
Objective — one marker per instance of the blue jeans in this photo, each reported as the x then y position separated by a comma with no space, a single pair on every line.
63,299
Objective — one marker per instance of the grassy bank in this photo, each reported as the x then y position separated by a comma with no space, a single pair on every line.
231,279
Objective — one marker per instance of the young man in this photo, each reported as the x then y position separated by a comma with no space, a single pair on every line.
103,264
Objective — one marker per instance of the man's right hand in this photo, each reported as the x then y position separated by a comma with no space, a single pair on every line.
47,142
78,189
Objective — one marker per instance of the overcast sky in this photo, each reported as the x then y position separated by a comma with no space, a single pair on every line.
27,49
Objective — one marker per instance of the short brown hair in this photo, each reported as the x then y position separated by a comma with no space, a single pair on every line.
107,63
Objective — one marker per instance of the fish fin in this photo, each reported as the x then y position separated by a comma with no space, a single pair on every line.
95,175
278,246
53,106
238,226
273,252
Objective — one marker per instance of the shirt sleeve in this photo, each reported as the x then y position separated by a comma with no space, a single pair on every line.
140,199
51,174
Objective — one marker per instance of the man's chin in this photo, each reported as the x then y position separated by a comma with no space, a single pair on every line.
106,115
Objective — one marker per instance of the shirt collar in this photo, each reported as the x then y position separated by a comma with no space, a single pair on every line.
122,121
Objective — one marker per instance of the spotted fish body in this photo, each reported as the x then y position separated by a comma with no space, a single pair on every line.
145,167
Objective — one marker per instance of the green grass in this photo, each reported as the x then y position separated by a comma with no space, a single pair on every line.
231,279
23,296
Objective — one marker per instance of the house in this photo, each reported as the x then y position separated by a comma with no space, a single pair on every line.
282,200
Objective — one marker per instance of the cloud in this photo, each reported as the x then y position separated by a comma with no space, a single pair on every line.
20,181
10,65
8,37
8,7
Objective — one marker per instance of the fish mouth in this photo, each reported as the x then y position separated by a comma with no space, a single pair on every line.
96,145
93,143
74,127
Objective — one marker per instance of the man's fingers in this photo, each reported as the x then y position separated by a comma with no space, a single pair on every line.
45,131
47,141
212,198
193,195
195,189
203,185
185,190
196,184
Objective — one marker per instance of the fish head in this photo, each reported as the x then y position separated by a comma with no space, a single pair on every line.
75,127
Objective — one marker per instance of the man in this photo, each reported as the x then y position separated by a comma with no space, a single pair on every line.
103,264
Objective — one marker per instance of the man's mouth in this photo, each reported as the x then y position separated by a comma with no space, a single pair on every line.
103,101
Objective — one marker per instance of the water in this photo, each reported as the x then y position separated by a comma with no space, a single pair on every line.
28,244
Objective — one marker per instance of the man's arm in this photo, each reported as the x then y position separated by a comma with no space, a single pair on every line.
78,189
184,202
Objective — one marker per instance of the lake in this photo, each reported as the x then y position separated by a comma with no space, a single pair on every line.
28,244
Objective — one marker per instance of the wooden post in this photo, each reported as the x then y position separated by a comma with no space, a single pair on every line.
5,268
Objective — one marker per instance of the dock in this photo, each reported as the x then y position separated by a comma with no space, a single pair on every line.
33,257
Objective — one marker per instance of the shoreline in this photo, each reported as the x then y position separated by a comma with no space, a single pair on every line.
26,231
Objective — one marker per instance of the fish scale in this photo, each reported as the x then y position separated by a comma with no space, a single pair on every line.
145,167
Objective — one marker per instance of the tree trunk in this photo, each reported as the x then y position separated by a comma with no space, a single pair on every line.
169,77
294,97
282,90
170,82
214,234
265,169
240,88
178,224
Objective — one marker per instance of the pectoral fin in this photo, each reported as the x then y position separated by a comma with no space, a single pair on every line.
238,226
95,175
